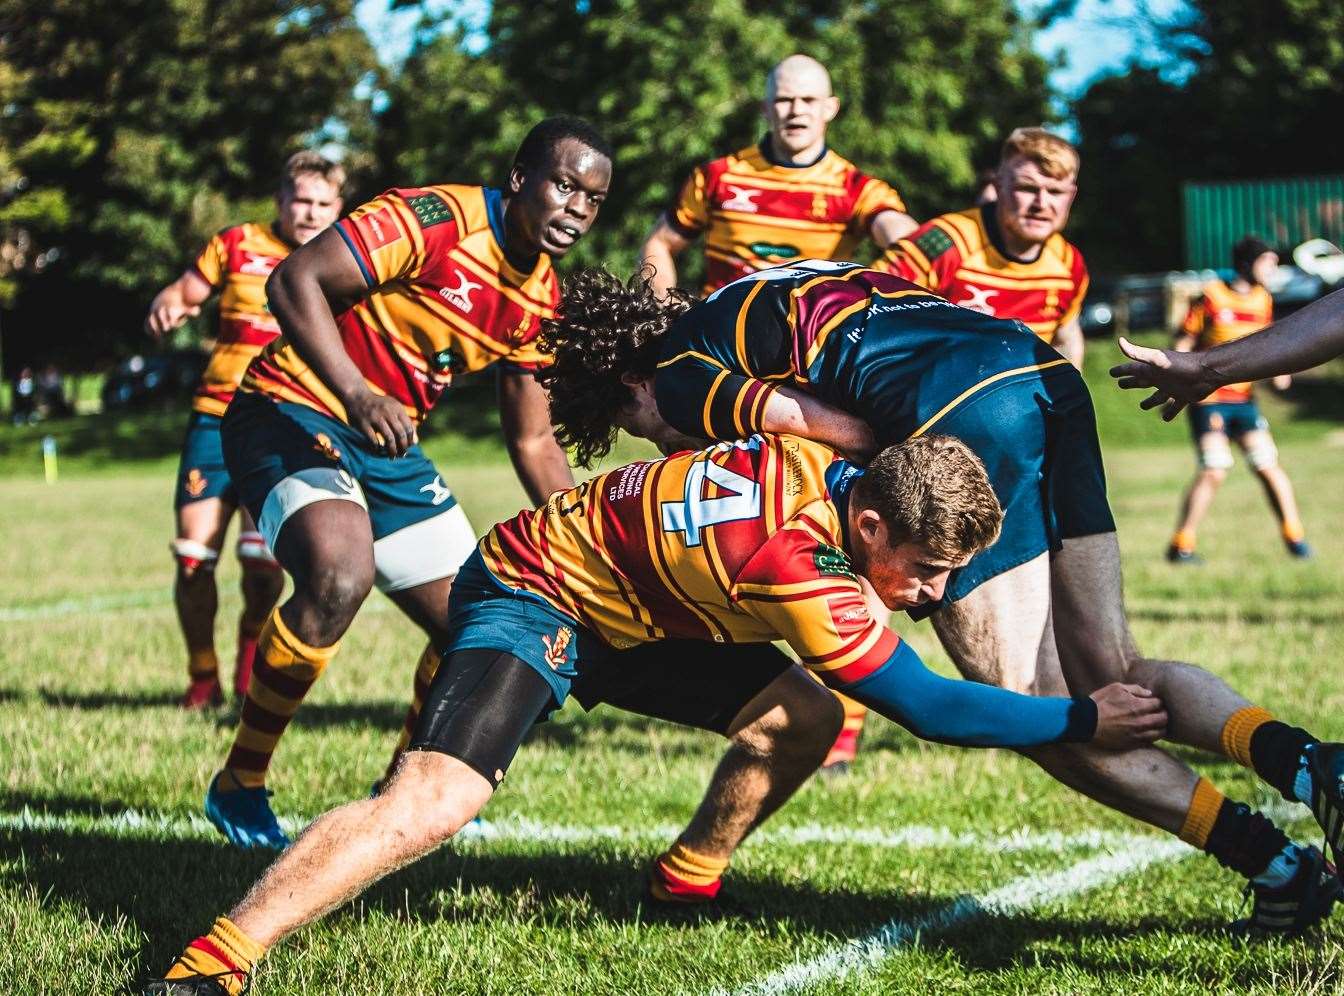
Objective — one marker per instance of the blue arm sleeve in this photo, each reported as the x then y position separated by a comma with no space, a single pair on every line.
966,713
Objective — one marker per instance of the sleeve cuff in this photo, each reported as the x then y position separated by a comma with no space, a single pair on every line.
1082,722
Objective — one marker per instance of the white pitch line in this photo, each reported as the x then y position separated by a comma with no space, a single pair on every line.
156,598
1015,897
149,824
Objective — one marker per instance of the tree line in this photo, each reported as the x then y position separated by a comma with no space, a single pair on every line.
130,132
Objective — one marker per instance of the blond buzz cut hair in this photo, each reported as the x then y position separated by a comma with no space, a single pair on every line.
309,163
1055,157
933,490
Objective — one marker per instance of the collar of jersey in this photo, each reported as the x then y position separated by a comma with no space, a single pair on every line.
769,155
494,211
990,220
840,478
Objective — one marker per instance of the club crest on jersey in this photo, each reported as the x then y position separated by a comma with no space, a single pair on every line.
933,243
430,209
195,483
460,296
323,444
742,199
832,561
557,651
979,300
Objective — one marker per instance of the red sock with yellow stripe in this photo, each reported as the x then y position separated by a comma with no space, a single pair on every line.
226,955
681,875
846,746
285,669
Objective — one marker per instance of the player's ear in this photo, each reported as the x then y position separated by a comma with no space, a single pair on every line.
830,107
517,176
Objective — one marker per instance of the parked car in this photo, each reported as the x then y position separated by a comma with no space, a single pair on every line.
147,381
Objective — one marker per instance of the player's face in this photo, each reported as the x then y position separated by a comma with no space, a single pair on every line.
1032,204
1264,269
799,110
551,207
639,416
304,212
904,575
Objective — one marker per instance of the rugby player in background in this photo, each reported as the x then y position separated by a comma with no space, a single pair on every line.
789,196
731,547
379,313
806,349
1006,256
1304,339
235,263
1225,313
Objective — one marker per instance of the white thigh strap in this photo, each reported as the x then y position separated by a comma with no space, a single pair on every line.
302,489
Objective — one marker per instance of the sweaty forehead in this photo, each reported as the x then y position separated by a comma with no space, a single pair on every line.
582,162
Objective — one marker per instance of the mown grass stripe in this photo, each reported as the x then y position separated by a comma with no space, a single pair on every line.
1017,896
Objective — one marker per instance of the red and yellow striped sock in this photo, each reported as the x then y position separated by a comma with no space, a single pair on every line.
202,663
425,670
225,954
285,669
684,876
1205,802
846,746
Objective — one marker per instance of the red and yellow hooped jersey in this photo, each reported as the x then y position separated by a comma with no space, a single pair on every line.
1223,315
444,299
954,255
756,213
237,262
739,543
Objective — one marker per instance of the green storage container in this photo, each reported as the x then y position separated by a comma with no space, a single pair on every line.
1285,213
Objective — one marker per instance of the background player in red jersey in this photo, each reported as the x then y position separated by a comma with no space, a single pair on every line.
1006,256
379,314
789,197
1226,313
235,263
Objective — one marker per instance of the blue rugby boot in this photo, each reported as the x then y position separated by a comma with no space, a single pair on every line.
1298,905
244,816
1325,768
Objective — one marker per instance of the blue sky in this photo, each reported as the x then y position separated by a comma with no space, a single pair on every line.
1100,37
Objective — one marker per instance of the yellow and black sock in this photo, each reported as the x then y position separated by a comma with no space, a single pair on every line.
682,875
225,954
1273,750
1234,835
285,669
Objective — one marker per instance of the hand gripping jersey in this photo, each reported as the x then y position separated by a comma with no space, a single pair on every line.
740,543
444,300
866,341
237,262
758,213
960,256
1222,315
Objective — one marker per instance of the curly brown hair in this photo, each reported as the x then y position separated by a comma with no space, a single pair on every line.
603,328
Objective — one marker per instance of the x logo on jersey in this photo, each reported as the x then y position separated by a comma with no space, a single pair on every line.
258,264
979,300
742,199
461,294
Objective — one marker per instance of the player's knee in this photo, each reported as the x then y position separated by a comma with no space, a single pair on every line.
195,561
433,796
1214,462
338,590
804,722
1262,455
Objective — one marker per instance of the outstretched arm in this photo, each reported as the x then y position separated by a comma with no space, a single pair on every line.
790,410
1304,339
660,250
180,300
525,417
969,714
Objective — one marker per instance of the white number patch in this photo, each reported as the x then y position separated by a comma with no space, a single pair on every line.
697,513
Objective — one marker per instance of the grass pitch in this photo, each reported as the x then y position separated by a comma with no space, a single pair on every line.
965,872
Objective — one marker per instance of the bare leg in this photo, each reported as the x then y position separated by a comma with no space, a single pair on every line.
778,739
1198,500
1258,445
343,852
1006,632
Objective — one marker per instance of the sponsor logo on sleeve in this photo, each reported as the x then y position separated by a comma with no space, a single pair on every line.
430,209
380,229
833,562
933,243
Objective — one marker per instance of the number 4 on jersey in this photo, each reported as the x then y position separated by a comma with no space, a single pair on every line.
697,512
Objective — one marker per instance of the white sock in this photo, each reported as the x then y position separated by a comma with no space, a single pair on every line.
1281,869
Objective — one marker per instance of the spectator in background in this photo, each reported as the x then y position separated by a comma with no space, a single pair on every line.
1226,313
24,404
51,401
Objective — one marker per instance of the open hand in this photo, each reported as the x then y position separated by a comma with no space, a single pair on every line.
1177,379
163,318
1128,716
383,422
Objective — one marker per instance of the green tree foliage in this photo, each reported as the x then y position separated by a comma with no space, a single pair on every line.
1259,93
138,129
928,89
